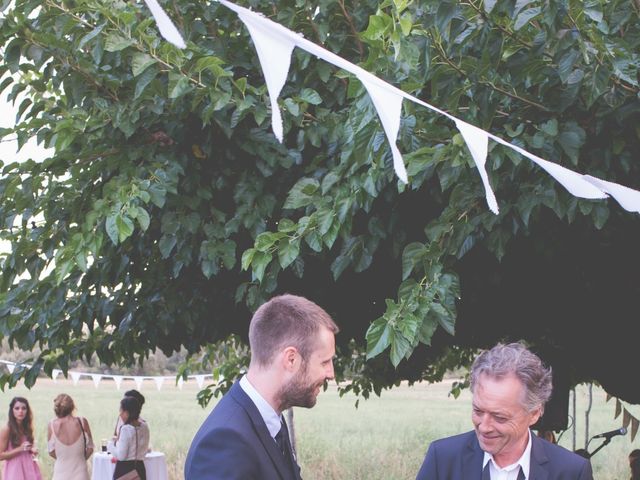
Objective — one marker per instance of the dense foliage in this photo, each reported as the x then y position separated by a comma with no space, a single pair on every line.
169,211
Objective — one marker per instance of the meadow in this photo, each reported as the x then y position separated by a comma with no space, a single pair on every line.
385,438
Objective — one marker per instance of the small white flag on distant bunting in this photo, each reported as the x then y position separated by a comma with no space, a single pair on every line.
54,375
180,382
11,367
138,381
200,380
118,380
159,381
75,376
96,379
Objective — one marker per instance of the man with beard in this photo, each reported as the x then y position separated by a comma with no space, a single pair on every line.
510,387
245,437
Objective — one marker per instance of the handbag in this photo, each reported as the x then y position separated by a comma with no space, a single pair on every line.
132,475
84,438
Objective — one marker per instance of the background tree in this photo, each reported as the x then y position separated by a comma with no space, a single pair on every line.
169,211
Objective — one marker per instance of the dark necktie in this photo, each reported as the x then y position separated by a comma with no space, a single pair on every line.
486,474
282,439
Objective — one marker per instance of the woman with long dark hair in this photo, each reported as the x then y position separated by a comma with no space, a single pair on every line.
133,441
16,443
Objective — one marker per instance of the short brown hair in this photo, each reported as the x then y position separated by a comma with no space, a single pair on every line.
63,405
286,320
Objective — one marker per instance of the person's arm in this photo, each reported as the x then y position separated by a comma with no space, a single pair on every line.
5,452
88,436
50,442
222,455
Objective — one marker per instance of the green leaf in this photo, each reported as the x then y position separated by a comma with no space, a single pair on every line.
90,36
143,218
292,106
301,194
525,17
166,244
116,43
411,254
247,258
125,227
378,337
400,348
140,62
288,252
259,264
178,86
310,96
112,229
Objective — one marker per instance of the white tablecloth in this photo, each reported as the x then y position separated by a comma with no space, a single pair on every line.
154,462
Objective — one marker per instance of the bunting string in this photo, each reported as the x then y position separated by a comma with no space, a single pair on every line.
274,44
97,378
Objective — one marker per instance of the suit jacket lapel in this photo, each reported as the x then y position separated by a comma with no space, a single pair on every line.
261,430
472,459
538,465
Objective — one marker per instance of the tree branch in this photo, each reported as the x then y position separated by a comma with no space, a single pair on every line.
352,26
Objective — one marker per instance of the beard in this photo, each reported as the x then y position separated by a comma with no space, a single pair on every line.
299,392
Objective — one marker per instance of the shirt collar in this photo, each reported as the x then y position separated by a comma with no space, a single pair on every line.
268,414
524,461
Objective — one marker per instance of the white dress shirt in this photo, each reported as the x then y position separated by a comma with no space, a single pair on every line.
510,472
268,414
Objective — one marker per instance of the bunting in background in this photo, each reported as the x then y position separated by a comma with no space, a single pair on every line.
75,376
159,381
97,378
274,44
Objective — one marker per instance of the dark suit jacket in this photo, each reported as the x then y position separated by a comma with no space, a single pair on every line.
234,443
460,458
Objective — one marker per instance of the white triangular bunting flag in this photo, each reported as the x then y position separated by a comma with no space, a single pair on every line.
75,376
54,374
274,52
629,199
478,142
200,380
167,29
11,367
118,380
574,182
138,381
389,107
96,379
159,381
180,382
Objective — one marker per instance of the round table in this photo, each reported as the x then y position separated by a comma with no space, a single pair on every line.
154,462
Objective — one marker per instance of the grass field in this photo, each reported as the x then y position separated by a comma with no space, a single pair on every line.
383,439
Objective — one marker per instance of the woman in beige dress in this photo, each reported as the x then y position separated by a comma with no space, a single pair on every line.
69,440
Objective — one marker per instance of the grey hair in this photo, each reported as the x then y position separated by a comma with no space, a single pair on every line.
514,358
